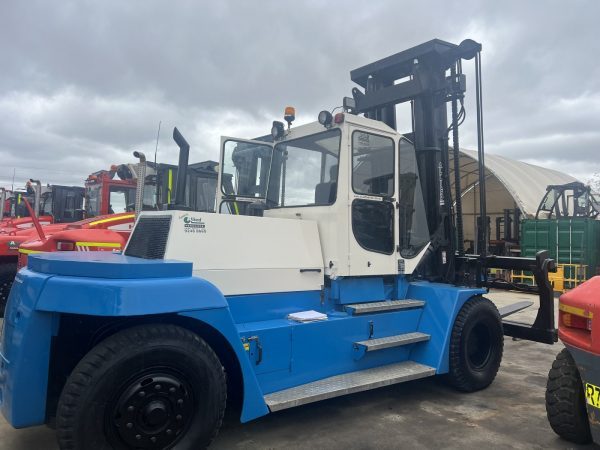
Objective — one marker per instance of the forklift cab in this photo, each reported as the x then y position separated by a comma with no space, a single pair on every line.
356,177
63,203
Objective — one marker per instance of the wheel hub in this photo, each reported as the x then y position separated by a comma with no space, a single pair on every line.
152,411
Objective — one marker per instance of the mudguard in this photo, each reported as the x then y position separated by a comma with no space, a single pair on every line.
99,285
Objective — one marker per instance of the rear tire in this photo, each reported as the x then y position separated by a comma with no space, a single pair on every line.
565,401
7,276
476,345
151,386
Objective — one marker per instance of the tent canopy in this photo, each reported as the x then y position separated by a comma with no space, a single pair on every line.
510,185
524,183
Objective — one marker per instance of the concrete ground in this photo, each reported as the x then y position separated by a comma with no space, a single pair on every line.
424,414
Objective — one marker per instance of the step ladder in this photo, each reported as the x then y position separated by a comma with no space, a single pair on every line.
347,383
370,345
392,341
383,306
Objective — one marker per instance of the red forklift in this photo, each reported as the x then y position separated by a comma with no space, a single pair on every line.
51,204
110,209
573,389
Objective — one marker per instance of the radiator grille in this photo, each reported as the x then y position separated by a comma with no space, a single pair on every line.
149,238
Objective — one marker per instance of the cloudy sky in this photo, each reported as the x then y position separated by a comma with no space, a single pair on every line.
84,83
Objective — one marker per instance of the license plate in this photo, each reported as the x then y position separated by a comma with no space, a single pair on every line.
592,395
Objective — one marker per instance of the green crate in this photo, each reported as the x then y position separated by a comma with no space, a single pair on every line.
574,240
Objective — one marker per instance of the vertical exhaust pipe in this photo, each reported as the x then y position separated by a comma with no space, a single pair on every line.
182,168
141,182
37,196
2,202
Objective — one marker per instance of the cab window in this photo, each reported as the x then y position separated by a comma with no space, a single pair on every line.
372,164
373,174
414,231
245,169
121,199
304,171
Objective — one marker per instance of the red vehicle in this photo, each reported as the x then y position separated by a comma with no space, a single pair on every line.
108,195
573,389
56,208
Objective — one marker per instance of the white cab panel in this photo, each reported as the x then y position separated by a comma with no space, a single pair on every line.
248,255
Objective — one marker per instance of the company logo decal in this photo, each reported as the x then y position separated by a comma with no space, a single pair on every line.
13,245
192,224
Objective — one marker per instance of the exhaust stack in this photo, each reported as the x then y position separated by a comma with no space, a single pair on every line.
37,196
2,202
141,182
182,168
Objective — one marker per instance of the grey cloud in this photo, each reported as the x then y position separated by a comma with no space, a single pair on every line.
83,83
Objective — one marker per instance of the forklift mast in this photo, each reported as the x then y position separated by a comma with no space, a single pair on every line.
419,75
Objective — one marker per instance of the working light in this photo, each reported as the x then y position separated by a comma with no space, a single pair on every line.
277,130
325,118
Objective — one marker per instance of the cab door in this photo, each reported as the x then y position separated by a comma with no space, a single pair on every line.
373,195
243,175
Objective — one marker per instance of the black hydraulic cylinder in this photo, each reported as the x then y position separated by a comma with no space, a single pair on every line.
182,169
483,237
457,187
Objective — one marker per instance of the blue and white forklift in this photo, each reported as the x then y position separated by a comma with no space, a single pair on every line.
334,265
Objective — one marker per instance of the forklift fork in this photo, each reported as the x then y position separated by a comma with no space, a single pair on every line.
543,328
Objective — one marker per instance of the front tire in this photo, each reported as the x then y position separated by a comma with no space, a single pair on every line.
565,402
151,386
476,345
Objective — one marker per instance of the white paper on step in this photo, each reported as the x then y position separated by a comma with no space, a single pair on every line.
307,316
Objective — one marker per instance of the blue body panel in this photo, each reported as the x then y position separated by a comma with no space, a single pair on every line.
25,353
274,353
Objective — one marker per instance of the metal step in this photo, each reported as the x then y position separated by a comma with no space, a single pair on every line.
371,345
388,305
347,383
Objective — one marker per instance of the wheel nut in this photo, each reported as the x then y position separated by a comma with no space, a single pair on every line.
142,394
157,387
129,425
153,439
179,417
138,436
172,390
169,432
180,402
130,409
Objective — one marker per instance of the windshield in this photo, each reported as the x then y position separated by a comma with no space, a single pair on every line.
121,199
46,209
150,193
17,205
304,171
245,169
92,200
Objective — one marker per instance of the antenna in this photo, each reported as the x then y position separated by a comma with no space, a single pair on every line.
157,136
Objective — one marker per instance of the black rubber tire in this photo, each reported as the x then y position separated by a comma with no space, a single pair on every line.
476,345
8,271
90,393
565,401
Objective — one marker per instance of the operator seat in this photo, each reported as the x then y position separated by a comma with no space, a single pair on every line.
325,193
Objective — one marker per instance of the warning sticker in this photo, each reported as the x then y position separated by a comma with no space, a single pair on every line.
592,395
